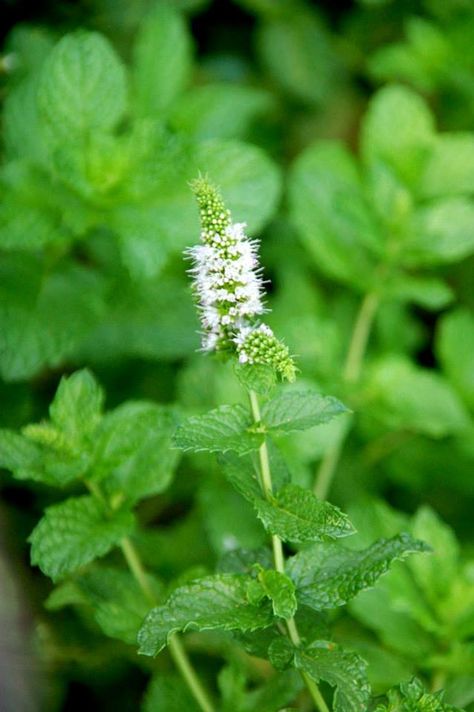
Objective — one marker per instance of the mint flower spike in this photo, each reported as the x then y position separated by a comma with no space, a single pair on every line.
258,344
227,283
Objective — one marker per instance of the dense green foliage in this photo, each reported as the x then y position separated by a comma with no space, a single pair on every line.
135,475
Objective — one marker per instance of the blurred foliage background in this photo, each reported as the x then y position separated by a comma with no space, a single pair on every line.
341,132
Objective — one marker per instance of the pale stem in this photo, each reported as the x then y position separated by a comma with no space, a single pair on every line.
278,556
350,374
177,651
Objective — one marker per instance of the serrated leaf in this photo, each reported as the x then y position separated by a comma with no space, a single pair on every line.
299,410
133,450
74,533
412,697
280,590
343,670
77,405
281,652
82,86
212,603
161,61
256,377
225,428
242,561
296,514
329,575
242,475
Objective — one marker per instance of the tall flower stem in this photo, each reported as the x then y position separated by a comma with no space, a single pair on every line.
175,646
350,375
177,651
278,556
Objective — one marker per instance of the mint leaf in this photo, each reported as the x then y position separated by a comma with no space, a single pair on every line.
450,167
83,86
249,180
299,410
399,130
214,602
65,305
412,697
74,533
333,215
404,396
242,474
118,602
275,694
329,575
455,346
256,377
161,61
77,406
295,514
441,232
222,429
280,590
133,453
22,457
343,670
219,110
168,692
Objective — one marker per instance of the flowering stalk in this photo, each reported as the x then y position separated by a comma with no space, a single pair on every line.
228,285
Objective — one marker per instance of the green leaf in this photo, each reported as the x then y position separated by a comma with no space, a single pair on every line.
222,429
250,182
435,574
441,232
21,456
256,377
118,602
279,691
328,575
299,410
292,47
343,670
77,406
427,292
399,130
406,397
214,602
454,347
295,514
168,692
74,533
242,475
224,111
412,697
161,62
333,215
83,86
281,592
65,306
281,653
133,450
450,168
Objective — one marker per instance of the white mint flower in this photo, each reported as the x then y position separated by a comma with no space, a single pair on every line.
228,285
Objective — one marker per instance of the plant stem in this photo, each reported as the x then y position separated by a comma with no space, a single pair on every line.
175,646
350,374
278,556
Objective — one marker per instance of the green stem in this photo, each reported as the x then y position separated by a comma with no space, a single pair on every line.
350,374
175,646
278,556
